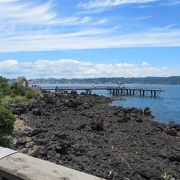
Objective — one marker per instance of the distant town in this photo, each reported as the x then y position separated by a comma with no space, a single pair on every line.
173,80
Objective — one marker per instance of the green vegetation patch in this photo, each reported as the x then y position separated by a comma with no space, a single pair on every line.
7,120
11,93
15,92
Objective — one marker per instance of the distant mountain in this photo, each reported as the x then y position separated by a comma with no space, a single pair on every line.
173,80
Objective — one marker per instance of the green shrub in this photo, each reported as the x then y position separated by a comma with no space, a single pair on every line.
7,120
17,89
30,94
15,92
4,87
11,93
8,99
5,141
3,83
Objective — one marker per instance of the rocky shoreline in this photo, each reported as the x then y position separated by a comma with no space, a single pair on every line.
85,133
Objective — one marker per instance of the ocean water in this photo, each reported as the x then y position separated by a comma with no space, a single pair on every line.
164,108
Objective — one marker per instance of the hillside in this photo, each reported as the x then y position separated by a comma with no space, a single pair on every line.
173,80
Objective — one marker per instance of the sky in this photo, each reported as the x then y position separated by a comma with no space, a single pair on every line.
89,38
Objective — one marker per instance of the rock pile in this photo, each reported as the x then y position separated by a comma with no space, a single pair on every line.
85,133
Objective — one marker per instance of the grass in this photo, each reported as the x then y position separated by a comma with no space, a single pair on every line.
8,99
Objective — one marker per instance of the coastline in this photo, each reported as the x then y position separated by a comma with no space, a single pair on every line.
83,132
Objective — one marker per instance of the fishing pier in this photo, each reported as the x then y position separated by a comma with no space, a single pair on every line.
135,92
114,90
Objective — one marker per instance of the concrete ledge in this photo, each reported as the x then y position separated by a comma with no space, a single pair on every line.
19,166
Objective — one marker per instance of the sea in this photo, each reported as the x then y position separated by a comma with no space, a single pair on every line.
165,108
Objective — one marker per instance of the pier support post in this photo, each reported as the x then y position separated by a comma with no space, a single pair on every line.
151,93
154,93
113,92
116,91
88,91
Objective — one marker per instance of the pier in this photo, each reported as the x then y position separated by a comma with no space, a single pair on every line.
135,92
114,90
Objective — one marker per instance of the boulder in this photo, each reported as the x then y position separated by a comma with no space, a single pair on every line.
21,142
25,132
37,112
74,103
171,132
73,92
147,111
38,131
18,109
97,126
139,120
29,144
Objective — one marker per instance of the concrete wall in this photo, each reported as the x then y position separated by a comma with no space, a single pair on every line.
18,166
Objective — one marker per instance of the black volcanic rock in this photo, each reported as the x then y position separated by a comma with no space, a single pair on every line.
147,111
85,133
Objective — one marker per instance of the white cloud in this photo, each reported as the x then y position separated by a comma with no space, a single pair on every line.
171,2
109,3
69,68
30,13
7,1
87,39
28,26
24,12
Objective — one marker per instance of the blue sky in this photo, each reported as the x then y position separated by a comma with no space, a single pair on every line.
89,38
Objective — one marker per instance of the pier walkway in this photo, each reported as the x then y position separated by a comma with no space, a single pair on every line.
114,90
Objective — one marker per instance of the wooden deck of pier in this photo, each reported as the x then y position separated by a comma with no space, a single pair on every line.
114,90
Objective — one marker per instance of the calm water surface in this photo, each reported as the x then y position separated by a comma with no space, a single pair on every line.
165,108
